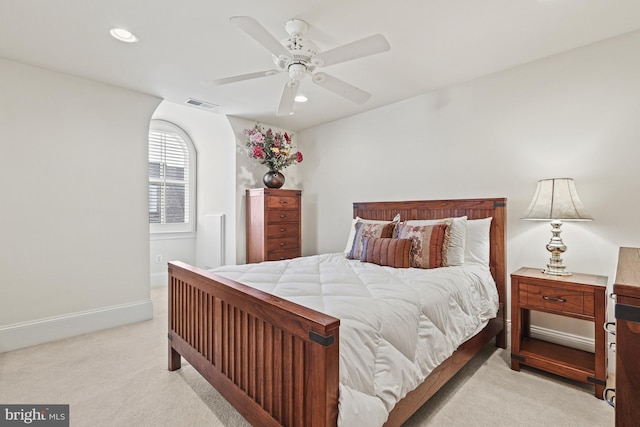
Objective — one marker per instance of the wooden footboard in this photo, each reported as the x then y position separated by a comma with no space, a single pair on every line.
275,361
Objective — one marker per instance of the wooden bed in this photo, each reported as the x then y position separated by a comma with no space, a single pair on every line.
276,361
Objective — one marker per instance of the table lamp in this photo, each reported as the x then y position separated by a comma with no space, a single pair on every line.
556,200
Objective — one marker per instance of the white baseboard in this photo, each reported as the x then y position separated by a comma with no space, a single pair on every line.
570,340
159,280
557,337
26,334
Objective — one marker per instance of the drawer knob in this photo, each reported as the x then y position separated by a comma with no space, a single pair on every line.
282,230
556,299
283,243
283,202
283,216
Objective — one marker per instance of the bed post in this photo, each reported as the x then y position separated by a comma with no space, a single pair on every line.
498,262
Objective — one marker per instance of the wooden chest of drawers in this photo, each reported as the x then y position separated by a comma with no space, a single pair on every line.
273,224
627,313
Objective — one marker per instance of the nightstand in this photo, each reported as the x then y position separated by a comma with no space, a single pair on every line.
581,296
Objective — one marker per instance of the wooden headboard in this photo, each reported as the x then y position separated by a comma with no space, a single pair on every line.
436,209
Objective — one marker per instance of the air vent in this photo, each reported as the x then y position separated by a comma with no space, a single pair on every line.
201,104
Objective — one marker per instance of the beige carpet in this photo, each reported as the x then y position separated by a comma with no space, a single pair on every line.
118,377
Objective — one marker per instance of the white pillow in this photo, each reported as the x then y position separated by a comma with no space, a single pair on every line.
457,237
477,249
352,232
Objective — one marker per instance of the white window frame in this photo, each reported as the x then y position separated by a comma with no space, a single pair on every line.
190,225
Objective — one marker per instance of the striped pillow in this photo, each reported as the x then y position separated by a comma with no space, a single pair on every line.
386,251
429,243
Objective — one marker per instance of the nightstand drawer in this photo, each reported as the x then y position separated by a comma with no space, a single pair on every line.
557,299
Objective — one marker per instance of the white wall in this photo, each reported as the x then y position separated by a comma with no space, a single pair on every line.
73,231
571,115
216,153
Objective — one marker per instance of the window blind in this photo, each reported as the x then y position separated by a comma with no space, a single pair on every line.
168,178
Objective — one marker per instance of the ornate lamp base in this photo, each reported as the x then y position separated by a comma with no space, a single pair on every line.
557,248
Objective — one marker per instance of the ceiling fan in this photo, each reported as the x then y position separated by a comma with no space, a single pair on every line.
299,56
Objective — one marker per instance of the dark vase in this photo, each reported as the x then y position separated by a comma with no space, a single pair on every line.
273,179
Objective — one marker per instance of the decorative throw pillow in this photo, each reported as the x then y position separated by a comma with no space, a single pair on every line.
454,253
352,232
368,229
386,252
428,243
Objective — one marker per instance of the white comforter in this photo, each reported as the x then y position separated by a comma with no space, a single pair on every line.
396,325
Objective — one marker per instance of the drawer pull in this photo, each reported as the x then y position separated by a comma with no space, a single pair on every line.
606,327
556,299
283,215
282,230
610,400
283,243
283,202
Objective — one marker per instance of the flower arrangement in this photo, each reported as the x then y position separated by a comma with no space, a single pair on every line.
270,148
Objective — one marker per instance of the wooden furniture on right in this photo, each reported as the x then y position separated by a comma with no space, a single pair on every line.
273,224
581,296
227,331
627,312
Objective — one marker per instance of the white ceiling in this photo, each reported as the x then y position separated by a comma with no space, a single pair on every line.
434,43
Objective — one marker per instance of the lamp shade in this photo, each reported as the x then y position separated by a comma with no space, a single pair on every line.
557,199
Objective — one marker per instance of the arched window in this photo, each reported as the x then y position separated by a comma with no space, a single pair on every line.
172,172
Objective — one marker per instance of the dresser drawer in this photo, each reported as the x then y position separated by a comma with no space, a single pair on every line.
280,255
557,299
285,229
282,202
281,244
282,215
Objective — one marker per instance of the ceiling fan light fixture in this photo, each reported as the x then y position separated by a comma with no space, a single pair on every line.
297,71
296,27
123,35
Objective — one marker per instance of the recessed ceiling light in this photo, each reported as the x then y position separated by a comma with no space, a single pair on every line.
301,98
123,35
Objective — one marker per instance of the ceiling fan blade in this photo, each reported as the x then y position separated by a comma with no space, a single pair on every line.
260,34
341,88
239,78
288,98
358,49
